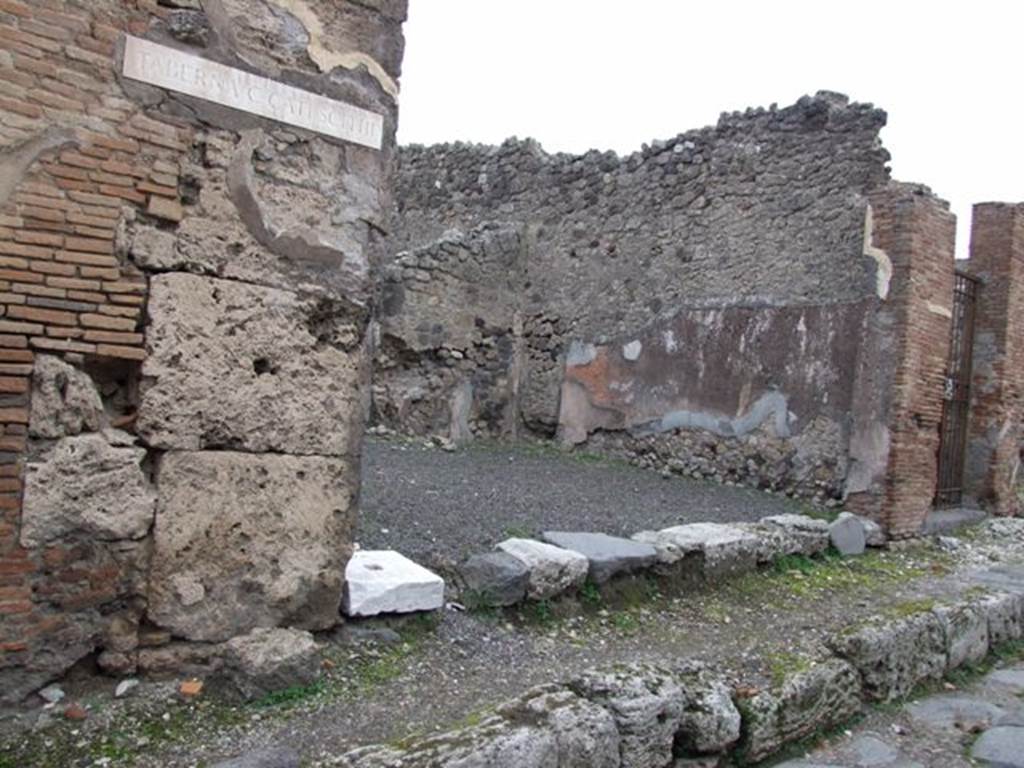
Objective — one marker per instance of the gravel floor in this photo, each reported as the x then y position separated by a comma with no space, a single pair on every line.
435,506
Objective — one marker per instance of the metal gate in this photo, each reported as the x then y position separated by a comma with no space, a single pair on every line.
957,397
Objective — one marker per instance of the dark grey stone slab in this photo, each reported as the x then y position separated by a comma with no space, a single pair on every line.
495,578
608,555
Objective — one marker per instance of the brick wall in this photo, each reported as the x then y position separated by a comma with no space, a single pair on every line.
79,160
997,386
898,400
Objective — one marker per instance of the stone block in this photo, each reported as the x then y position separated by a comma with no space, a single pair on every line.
788,534
608,555
725,549
85,485
494,578
847,534
244,540
893,657
543,728
64,400
710,722
966,630
268,660
238,366
383,581
1004,611
153,249
647,705
818,699
553,570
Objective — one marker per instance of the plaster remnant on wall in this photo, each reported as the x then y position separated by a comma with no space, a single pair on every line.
16,161
580,353
883,275
327,59
938,309
770,405
632,350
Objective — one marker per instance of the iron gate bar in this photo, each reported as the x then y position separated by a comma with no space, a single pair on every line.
957,395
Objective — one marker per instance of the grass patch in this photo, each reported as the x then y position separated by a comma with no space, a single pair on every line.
625,622
783,665
516,532
538,612
909,608
798,576
591,595
293,695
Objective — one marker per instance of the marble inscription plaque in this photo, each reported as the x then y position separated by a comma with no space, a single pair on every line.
182,72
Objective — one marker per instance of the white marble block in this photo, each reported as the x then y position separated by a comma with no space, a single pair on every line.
383,581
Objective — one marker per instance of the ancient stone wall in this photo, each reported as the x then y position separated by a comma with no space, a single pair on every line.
753,227
185,291
449,335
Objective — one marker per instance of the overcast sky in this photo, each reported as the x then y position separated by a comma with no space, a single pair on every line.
604,74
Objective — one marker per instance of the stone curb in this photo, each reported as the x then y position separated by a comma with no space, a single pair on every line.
650,716
526,569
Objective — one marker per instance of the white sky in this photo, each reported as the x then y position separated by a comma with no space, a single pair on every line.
582,74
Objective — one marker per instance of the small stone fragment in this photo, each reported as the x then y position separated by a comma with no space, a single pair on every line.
75,712
52,694
191,688
125,687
